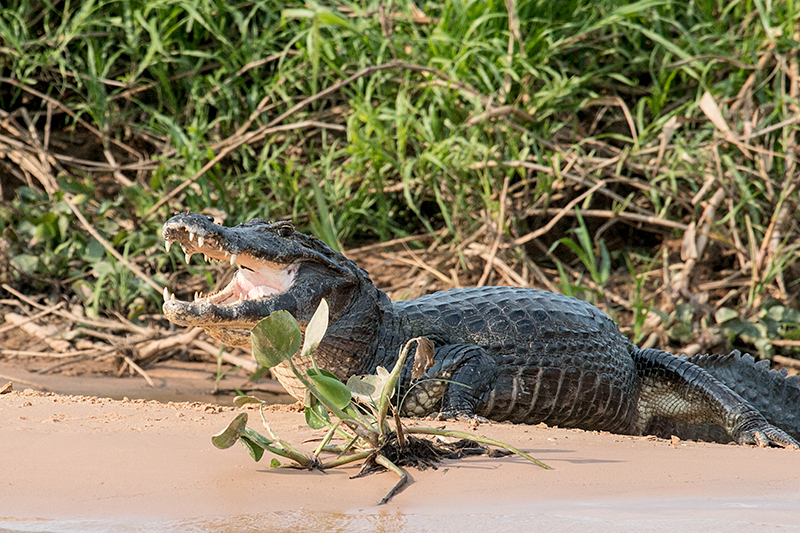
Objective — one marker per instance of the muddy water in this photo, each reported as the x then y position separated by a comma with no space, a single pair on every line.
702,515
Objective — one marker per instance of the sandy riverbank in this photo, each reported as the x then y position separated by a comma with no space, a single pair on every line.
77,463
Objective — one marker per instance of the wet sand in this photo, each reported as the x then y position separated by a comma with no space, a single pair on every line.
77,463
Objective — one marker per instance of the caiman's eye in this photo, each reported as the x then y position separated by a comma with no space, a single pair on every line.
286,231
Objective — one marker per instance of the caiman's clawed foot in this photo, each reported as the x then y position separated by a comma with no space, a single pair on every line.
767,436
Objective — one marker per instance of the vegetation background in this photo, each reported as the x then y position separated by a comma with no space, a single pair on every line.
640,155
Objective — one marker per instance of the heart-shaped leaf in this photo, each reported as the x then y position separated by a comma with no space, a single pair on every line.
244,400
255,451
228,436
276,338
317,416
330,387
367,388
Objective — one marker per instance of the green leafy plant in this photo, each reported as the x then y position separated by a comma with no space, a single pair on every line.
360,408
772,323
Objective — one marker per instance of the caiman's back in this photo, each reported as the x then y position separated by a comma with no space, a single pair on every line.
549,358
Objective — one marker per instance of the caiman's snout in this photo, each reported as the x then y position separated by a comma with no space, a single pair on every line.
258,277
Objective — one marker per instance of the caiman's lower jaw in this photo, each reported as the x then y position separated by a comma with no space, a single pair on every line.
256,279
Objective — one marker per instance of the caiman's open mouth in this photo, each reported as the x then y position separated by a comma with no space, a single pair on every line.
279,269
256,278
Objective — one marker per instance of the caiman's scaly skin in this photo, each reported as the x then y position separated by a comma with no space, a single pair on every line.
507,353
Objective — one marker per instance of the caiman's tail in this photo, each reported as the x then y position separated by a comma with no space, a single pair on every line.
773,393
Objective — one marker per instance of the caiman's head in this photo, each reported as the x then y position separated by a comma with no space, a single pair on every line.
279,268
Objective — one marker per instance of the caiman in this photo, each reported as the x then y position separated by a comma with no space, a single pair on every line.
501,353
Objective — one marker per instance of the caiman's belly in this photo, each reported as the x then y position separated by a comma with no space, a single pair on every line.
565,390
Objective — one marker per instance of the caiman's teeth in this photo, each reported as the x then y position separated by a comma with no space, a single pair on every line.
226,252
200,241
196,295
166,294
191,236
206,258
168,243
187,256
233,259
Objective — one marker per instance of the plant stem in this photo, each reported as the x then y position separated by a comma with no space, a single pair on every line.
389,386
386,463
287,452
339,461
475,438
265,423
328,436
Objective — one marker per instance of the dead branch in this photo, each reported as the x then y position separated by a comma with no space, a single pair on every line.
35,330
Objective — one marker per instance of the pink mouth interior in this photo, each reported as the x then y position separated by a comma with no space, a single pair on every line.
252,285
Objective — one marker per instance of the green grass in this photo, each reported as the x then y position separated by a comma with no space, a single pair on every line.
583,91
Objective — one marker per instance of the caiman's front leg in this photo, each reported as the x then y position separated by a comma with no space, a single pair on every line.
674,388
459,381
